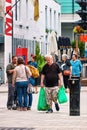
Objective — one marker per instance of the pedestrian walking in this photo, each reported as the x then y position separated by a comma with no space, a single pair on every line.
50,75
20,78
11,91
66,66
33,62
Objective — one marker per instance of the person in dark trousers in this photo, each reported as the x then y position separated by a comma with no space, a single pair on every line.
66,65
12,97
51,73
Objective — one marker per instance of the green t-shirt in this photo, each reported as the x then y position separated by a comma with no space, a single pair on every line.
9,76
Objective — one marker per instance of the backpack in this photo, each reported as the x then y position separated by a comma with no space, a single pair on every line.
34,71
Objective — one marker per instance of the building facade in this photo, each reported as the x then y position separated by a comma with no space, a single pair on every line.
20,30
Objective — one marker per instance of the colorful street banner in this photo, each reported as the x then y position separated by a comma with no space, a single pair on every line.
36,10
8,35
8,19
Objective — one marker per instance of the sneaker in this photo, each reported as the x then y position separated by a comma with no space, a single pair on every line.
57,106
49,111
28,108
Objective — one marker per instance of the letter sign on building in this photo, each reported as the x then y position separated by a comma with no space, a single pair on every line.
8,29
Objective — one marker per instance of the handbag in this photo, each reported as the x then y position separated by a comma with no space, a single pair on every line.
61,95
66,72
29,88
34,71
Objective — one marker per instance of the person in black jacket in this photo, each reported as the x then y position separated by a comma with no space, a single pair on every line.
66,65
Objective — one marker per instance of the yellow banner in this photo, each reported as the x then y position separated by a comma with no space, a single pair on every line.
36,10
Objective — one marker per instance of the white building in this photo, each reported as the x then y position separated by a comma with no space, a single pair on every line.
25,28
21,29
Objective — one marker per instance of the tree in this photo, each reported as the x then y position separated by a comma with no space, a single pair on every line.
81,46
39,57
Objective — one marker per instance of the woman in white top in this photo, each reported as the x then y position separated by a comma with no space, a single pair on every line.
20,79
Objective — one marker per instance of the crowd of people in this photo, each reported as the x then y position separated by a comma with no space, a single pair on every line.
52,77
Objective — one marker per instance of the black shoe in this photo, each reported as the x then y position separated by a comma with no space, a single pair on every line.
49,111
9,107
28,108
57,106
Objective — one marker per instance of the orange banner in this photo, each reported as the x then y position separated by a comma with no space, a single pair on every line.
83,38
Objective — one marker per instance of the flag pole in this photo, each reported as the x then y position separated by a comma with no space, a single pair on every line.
11,7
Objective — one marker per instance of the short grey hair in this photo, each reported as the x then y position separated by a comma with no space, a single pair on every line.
65,56
48,55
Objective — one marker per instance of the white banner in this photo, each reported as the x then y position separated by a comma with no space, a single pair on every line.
8,33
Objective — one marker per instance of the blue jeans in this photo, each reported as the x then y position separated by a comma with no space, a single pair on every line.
30,99
22,93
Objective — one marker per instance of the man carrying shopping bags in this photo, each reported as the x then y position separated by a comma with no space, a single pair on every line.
50,75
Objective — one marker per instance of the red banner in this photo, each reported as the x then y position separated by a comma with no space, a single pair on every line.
8,30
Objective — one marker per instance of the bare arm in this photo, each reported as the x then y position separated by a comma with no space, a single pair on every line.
28,72
42,80
60,79
9,69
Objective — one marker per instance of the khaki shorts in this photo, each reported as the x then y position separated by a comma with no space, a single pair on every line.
51,95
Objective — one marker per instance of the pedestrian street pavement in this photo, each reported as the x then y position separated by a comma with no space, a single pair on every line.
39,120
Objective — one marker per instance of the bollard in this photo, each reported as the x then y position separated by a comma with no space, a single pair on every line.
74,85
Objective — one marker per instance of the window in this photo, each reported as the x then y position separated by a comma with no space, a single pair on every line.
46,17
50,19
27,9
55,20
